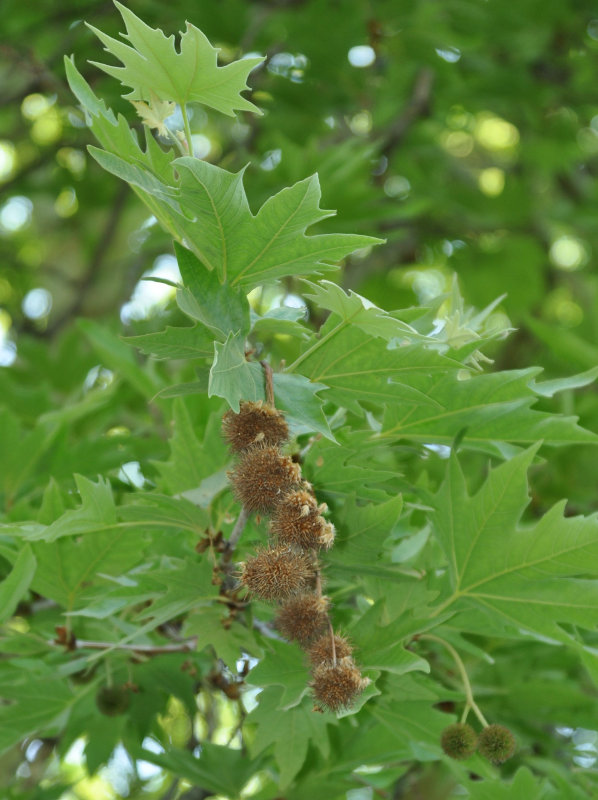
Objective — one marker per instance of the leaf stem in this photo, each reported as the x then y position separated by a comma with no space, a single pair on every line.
470,703
187,128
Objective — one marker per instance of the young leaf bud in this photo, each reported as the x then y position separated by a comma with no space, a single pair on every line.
320,652
112,700
256,423
337,687
297,521
262,477
496,743
459,741
277,573
302,618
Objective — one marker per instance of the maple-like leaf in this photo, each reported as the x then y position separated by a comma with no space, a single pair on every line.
153,65
155,112
247,250
508,577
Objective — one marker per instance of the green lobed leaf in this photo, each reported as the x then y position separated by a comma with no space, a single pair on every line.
357,310
191,459
505,576
232,376
246,250
230,638
362,530
153,65
349,470
218,306
37,704
298,398
362,368
149,168
283,665
183,343
291,732
491,407
116,355
14,586
218,769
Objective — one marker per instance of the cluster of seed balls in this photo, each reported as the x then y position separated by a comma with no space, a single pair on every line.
267,481
495,742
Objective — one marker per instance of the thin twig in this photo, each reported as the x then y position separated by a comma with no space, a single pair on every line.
226,562
233,539
269,383
417,107
103,244
469,699
185,646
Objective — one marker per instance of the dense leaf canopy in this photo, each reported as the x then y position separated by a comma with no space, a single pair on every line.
166,254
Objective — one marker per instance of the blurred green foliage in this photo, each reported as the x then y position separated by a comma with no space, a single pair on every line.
466,135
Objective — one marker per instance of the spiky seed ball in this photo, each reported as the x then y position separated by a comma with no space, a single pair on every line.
112,700
297,521
277,573
256,423
459,741
336,687
320,652
496,743
262,477
302,618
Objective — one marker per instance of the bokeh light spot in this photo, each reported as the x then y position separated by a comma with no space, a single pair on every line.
37,303
8,159
201,145
362,55
457,143
568,253
397,186
66,204
149,295
15,214
271,160
491,181
36,105
361,123
47,129
495,133
449,54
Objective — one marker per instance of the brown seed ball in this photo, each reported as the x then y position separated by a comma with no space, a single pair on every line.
256,423
277,573
297,521
496,743
302,618
336,687
459,741
112,700
262,477
320,652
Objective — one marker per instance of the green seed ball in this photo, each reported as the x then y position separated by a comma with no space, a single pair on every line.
112,700
459,741
496,743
